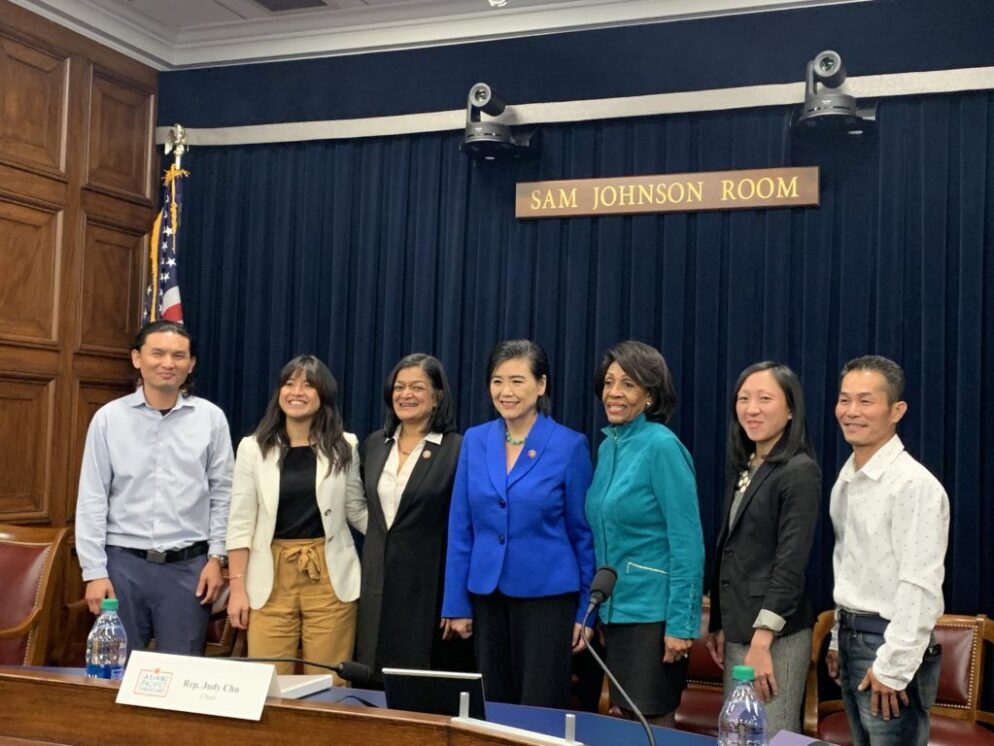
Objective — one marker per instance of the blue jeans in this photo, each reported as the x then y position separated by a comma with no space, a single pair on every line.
857,652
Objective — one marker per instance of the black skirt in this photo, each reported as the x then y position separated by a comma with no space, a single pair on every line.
634,653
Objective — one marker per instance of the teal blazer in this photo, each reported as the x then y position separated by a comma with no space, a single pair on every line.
643,512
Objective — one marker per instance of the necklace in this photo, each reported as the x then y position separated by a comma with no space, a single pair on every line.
511,440
746,475
400,447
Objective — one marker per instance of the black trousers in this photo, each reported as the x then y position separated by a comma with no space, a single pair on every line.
524,647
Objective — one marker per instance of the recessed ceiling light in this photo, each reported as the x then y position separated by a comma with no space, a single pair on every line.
497,3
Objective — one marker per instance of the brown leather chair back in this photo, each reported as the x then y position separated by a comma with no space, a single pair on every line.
29,557
223,639
955,714
702,700
962,640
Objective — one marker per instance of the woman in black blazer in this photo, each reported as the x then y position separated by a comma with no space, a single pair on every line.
409,468
760,615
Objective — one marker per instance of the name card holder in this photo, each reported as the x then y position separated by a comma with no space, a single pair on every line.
205,686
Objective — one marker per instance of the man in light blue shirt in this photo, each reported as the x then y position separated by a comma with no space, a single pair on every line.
154,491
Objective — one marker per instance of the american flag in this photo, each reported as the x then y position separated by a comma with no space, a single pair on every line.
162,300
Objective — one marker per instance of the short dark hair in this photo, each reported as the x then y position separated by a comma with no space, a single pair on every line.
170,327
795,435
443,415
892,372
327,429
154,327
646,366
538,362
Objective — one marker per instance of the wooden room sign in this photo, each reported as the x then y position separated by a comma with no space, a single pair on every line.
713,190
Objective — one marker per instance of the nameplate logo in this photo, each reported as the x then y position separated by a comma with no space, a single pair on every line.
713,190
206,686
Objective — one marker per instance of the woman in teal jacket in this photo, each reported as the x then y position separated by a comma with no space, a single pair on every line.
642,509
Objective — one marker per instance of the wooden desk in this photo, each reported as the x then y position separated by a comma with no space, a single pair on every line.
51,708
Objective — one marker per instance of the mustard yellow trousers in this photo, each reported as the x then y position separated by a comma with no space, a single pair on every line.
302,611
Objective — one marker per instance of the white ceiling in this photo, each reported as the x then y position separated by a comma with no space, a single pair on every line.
174,34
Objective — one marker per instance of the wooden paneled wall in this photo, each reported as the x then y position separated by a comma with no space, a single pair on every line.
77,193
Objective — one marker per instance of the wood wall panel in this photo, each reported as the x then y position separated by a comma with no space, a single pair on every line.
120,137
30,249
76,188
90,396
25,423
33,123
110,302
39,190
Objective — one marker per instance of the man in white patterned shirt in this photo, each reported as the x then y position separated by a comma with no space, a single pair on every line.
891,520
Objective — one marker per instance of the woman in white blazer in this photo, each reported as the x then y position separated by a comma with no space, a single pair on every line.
294,570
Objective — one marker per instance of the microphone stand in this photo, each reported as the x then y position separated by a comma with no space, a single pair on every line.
628,700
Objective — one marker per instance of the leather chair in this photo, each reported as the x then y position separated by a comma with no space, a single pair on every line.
702,701
222,638
29,560
956,718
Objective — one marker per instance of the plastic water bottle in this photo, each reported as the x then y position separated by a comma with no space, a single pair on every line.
743,718
107,644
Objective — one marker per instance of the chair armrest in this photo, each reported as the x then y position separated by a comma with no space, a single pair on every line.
812,707
23,627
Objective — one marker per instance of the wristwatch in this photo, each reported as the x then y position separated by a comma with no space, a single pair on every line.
222,559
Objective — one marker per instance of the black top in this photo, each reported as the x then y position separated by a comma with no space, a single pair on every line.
297,516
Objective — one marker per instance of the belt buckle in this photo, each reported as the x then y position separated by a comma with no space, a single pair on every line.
158,558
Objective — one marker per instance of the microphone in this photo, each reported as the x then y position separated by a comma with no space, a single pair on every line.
601,588
357,673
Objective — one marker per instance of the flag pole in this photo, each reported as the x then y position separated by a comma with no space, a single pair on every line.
176,143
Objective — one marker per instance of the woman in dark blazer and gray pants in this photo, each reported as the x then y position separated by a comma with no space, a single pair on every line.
760,615
409,468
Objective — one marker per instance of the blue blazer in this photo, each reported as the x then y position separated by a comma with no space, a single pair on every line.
523,533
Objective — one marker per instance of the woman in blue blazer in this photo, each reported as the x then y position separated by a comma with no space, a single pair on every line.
642,507
520,555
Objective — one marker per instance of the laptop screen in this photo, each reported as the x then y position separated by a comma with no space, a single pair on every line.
436,692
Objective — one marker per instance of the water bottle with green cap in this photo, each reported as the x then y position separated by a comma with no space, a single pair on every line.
743,719
107,644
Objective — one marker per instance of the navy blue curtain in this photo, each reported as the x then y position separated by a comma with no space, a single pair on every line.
362,251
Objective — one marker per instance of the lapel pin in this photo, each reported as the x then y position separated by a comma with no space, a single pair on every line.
532,454
426,454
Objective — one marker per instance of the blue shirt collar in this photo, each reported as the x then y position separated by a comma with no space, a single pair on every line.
137,399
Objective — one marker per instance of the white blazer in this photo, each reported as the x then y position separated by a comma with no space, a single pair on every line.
252,522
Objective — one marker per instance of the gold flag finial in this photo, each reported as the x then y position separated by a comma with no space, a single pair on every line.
177,142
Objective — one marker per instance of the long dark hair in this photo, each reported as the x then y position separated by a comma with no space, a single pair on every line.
794,439
538,362
443,414
327,431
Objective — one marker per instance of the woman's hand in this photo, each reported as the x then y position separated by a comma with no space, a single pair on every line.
581,635
762,663
716,647
453,627
238,606
676,649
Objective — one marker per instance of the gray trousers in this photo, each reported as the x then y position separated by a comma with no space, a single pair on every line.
158,601
790,667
